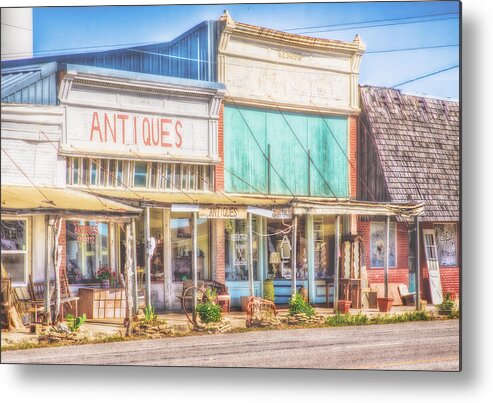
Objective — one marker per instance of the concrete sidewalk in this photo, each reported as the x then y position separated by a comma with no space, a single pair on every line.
180,322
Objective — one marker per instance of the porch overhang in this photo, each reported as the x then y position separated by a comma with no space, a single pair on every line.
19,200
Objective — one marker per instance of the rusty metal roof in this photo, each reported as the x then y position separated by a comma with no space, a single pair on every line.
417,140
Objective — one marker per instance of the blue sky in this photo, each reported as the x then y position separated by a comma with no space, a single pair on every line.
401,25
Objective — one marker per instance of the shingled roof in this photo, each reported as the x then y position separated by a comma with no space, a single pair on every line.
417,141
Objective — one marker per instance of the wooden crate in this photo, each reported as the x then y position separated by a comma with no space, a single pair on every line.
99,303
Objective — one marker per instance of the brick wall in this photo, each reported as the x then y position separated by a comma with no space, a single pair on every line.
398,274
449,276
353,143
219,181
218,238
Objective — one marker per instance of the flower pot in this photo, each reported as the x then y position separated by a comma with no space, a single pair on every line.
343,306
384,304
105,283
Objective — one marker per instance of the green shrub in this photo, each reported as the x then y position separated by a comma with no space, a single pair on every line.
269,290
74,323
298,304
347,320
150,315
447,307
209,312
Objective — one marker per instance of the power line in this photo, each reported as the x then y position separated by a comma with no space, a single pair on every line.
28,178
245,182
370,21
260,148
378,25
424,76
304,149
410,49
16,26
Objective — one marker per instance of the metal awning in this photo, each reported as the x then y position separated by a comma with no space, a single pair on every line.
331,207
42,199
298,206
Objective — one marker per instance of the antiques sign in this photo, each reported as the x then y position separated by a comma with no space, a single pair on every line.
223,212
86,233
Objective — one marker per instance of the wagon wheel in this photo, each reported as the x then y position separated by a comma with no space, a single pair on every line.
188,295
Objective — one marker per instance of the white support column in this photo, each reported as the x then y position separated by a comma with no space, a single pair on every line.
147,231
417,264
310,252
194,261
47,301
134,267
336,263
250,256
169,297
387,249
262,254
293,254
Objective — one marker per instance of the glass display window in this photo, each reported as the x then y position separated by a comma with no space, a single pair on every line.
236,250
182,247
377,244
87,250
323,244
14,236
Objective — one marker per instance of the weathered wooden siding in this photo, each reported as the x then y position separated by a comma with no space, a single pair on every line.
326,143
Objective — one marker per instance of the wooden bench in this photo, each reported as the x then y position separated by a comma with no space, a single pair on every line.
37,294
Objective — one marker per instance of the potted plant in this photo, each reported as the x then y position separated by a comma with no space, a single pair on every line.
104,274
343,306
384,304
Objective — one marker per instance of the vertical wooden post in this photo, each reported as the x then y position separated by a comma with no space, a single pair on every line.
57,262
147,231
47,311
194,263
336,263
127,278
310,254
417,264
293,255
134,267
250,256
387,249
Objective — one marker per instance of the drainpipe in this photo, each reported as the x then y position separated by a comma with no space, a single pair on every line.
387,249
336,264
417,265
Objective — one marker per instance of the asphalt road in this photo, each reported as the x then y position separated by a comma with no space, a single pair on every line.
413,346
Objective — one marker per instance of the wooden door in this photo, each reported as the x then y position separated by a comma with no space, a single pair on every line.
433,267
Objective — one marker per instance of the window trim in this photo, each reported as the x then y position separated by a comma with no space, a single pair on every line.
26,252
395,243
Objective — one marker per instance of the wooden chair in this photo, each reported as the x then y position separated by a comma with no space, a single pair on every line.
223,299
66,296
407,297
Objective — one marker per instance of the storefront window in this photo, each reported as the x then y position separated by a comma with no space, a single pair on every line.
323,243
236,252
140,174
446,244
87,250
181,247
377,244
14,249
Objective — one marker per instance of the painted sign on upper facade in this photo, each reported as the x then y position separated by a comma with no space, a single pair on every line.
263,67
132,124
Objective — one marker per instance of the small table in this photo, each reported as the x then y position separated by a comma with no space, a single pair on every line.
351,288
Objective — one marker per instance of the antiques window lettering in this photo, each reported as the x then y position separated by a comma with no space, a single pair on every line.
377,245
14,235
446,237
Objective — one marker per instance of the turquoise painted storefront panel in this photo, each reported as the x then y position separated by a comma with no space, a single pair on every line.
282,290
242,156
245,159
287,155
325,141
238,289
